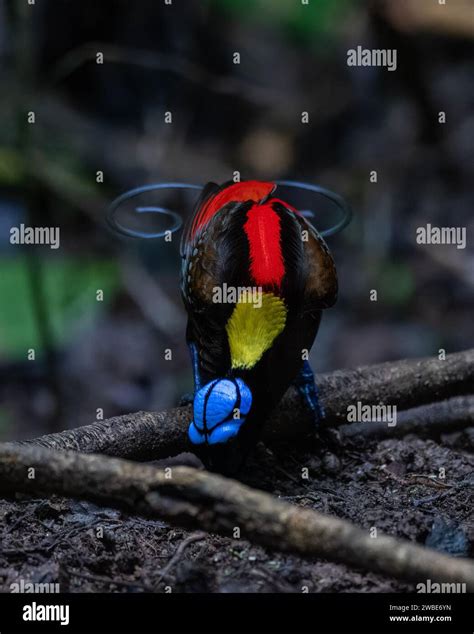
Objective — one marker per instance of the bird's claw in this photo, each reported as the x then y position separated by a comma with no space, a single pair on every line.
306,386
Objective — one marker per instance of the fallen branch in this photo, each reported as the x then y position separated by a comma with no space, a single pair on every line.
197,499
153,435
426,420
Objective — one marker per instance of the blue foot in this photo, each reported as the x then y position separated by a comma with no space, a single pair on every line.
306,386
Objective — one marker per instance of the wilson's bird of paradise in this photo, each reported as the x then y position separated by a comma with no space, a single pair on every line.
246,353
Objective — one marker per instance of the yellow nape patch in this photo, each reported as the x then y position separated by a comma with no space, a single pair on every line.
251,330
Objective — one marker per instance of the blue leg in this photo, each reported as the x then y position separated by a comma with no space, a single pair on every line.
188,398
195,362
306,386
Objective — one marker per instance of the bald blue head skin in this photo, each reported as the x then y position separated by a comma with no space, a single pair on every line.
220,409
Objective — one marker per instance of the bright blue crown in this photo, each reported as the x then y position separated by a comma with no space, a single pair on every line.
215,408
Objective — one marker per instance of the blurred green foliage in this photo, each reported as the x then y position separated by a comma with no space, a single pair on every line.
396,282
69,285
313,23
12,167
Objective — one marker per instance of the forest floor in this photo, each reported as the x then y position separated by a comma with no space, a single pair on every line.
393,486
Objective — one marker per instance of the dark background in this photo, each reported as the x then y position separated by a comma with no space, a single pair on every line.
226,117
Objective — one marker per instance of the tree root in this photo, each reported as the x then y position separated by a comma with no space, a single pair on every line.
426,420
406,384
198,499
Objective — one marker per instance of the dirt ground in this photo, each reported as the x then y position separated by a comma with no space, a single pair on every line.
392,485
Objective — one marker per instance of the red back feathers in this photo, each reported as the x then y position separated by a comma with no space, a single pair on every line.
264,237
238,192
262,226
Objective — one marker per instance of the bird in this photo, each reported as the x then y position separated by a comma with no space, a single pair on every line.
255,278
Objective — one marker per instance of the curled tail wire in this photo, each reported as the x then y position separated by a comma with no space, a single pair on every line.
176,220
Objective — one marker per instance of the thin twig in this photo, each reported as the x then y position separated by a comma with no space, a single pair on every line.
194,537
